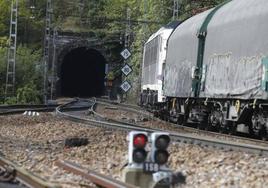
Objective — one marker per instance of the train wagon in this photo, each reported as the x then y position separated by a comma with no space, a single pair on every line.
154,57
216,69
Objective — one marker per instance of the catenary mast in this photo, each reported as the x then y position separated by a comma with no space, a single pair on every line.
11,62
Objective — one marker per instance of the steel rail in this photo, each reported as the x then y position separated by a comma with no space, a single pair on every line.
20,108
23,106
94,177
185,128
212,133
17,111
24,176
178,137
130,106
126,107
129,109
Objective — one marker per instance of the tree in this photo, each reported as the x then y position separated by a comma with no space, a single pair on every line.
106,19
4,17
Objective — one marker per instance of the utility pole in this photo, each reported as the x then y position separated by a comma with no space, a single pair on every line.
128,33
46,53
146,25
32,9
81,6
11,62
176,7
53,77
128,29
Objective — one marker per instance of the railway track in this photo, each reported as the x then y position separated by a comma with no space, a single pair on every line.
82,154
179,128
177,137
23,106
85,104
96,178
10,172
129,106
15,109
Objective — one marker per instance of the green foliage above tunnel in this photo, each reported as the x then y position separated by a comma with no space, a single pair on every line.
107,19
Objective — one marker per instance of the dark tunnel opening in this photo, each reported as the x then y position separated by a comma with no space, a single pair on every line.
82,73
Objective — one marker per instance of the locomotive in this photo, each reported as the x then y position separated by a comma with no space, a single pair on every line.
213,72
154,56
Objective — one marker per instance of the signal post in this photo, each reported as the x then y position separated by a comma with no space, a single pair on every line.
147,158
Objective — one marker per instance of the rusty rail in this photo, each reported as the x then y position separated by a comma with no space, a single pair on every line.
94,177
23,176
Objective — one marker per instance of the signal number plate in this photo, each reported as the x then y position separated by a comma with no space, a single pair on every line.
150,167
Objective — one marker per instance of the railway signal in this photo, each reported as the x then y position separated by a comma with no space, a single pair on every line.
160,143
137,145
151,171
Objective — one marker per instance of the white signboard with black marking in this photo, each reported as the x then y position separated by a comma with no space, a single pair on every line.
125,54
126,70
125,86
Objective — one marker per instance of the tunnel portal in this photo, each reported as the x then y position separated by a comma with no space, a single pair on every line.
82,73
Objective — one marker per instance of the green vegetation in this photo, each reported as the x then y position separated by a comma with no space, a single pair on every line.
106,19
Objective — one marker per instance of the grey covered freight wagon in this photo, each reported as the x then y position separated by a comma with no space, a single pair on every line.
216,69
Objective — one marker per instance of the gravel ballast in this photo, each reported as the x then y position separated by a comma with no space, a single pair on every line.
37,142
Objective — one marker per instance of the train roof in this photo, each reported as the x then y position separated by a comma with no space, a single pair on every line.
167,28
234,28
234,36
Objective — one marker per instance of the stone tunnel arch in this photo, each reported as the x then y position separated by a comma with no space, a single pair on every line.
81,72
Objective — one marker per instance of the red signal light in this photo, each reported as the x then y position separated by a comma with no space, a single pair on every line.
140,140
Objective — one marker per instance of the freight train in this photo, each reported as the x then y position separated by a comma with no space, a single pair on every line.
211,70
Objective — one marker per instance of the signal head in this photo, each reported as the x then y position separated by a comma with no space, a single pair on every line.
137,144
140,140
160,143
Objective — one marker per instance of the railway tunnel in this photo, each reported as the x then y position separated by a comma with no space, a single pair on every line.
82,73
